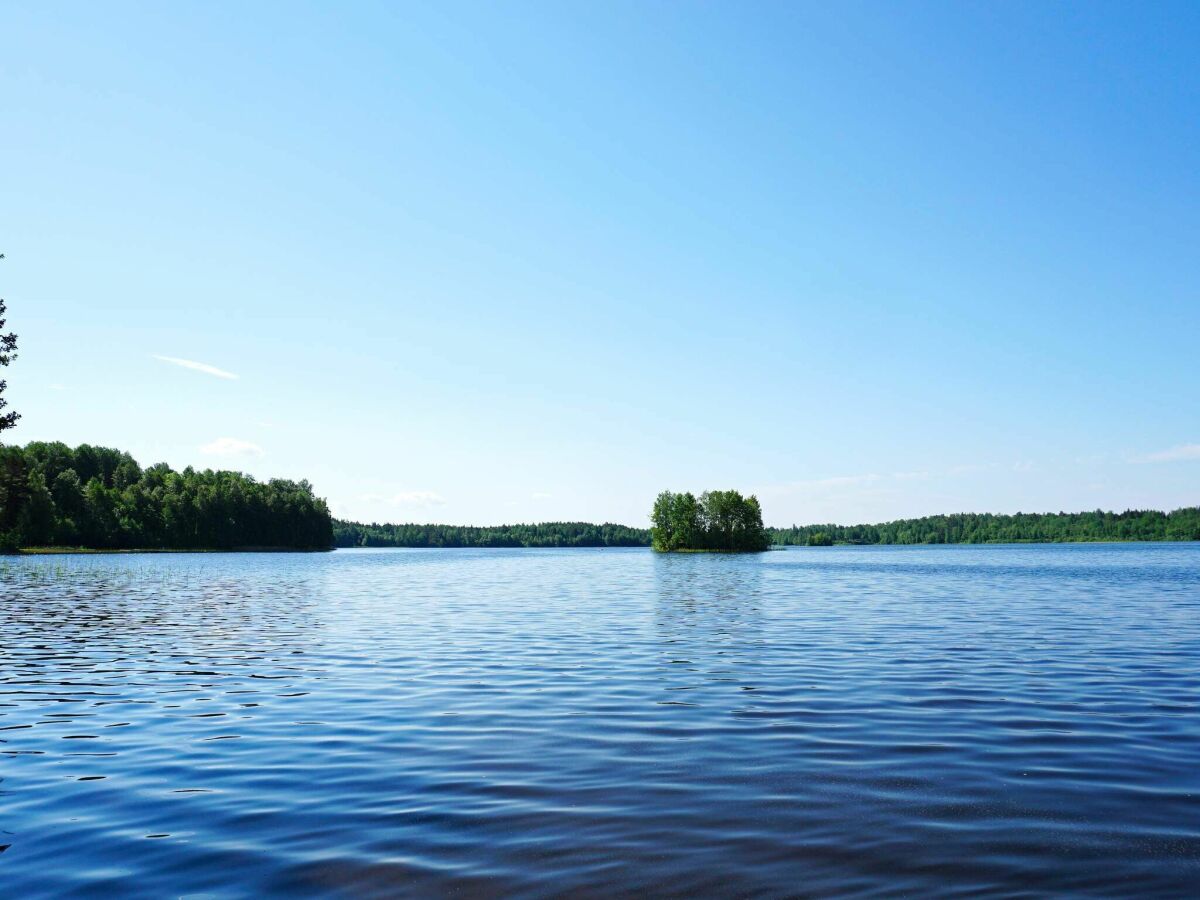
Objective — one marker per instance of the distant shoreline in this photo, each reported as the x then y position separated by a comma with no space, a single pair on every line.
1096,526
93,551
65,551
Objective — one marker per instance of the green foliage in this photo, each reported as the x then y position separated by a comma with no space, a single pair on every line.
676,522
51,495
985,528
547,534
819,539
8,352
36,520
719,520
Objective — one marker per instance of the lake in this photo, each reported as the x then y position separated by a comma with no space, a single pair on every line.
813,722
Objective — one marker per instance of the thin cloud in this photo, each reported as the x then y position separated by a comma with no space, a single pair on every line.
1174,454
232,447
422,499
196,366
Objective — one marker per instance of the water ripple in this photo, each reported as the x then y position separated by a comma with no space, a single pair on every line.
1014,721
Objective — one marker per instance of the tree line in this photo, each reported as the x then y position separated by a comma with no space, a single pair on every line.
694,524
717,520
97,497
986,528
545,534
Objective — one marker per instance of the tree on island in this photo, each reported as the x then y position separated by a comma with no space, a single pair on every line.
718,521
8,352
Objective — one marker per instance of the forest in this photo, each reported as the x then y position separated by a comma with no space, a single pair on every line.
546,534
100,498
985,528
686,526
717,520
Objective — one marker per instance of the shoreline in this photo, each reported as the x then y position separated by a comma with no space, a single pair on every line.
89,551
65,551
708,550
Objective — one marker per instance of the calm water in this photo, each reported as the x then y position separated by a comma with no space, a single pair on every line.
1000,720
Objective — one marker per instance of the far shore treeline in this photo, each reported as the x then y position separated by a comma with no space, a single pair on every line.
99,498
546,534
985,528
961,528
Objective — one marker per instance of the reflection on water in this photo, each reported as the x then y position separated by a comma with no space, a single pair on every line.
825,721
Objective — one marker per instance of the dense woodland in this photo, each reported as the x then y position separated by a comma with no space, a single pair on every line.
96,497
1181,525
547,534
717,520
985,528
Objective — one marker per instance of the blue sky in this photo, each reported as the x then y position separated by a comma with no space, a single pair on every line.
501,262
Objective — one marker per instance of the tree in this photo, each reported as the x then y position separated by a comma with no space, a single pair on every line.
99,516
68,493
719,520
100,497
981,528
8,352
14,487
36,522
544,534
675,522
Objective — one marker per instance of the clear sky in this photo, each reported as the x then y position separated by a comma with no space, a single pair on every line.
513,262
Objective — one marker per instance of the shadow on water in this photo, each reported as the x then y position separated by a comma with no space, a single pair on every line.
708,618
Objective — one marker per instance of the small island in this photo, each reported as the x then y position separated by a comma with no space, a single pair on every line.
717,522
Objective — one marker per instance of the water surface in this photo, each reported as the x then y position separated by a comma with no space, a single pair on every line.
826,721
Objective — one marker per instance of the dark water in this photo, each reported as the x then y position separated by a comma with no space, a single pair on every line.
1001,720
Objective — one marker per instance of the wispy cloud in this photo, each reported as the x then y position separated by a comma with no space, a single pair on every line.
422,499
232,447
1174,454
196,366
57,387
